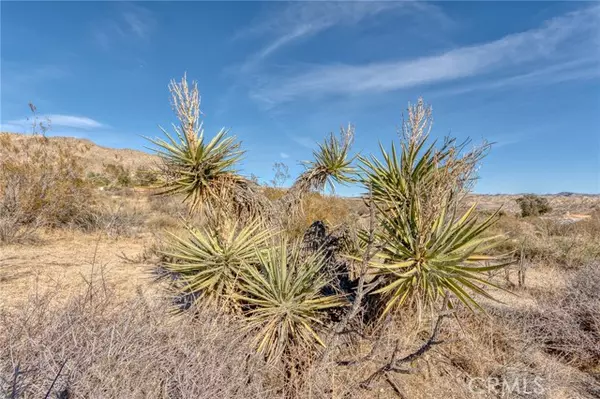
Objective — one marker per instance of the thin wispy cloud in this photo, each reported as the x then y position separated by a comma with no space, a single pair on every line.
304,141
56,120
584,69
558,40
505,140
133,23
297,21
284,155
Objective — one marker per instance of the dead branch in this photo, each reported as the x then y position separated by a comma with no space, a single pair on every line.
396,365
360,289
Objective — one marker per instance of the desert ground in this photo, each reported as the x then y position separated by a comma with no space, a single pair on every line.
84,314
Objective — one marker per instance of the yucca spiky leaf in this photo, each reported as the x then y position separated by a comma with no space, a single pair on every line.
284,299
393,179
423,265
210,262
332,162
201,171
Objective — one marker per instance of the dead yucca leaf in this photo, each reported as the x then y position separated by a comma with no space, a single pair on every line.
284,300
210,262
204,171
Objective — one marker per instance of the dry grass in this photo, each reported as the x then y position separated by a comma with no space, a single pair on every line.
552,241
135,347
124,342
98,346
113,351
567,322
561,204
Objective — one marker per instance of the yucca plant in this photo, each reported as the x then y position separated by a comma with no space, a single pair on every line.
331,164
422,265
210,262
425,250
204,171
284,300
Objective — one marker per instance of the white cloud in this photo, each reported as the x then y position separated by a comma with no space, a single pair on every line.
133,23
296,21
79,122
57,120
562,38
283,155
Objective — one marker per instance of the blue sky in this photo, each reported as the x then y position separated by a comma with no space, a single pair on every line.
283,75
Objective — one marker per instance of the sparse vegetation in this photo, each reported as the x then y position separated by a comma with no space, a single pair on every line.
39,188
533,205
287,291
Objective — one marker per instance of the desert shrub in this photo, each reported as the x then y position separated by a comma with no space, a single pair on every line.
172,206
114,218
567,323
550,241
274,193
330,209
161,222
118,174
98,179
41,188
533,205
146,177
590,226
281,174
124,348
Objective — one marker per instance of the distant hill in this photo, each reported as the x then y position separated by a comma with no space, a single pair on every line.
93,157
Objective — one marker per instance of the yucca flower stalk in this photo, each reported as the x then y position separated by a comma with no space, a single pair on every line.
210,262
200,169
284,301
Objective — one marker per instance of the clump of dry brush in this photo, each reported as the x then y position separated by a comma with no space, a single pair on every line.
417,249
39,187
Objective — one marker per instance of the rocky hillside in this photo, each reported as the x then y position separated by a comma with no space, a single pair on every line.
94,158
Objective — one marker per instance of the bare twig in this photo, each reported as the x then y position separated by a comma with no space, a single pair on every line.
55,379
394,385
15,388
396,365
